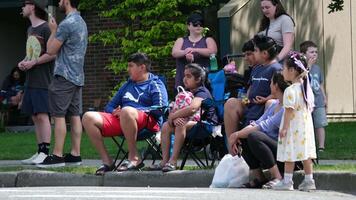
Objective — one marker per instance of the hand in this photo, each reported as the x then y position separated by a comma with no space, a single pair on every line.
116,112
259,100
180,122
311,61
21,66
52,25
188,50
234,142
29,64
282,133
189,57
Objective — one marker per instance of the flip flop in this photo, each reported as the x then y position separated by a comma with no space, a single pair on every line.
103,169
128,166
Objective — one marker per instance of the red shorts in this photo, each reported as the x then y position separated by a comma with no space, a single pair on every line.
111,124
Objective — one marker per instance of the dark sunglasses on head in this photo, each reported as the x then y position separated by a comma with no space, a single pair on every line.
196,24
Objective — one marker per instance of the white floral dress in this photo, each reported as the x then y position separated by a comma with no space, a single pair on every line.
299,143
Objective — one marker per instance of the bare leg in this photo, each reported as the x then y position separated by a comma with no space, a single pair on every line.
233,110
93,124
128,123
320,134
165,142
275,174
76,135
308,166
60,131
43,127
180,134
289,167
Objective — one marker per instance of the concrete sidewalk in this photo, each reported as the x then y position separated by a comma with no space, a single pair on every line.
336,181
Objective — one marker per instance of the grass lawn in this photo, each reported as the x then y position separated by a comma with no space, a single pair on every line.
340,144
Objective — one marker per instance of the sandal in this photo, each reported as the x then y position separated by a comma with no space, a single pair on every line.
103,169
270,184
128,166
168,167
254,184
155,167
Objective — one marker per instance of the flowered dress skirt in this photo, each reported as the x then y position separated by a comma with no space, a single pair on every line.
299,143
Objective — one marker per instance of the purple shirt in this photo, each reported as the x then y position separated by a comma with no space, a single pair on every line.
269,122
182,61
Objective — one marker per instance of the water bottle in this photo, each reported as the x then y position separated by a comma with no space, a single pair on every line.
172,144
241,93
213,63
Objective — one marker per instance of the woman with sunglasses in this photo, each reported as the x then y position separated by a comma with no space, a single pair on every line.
194,48
277,24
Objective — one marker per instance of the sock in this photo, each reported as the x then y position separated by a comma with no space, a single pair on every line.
308,177
288,177
44,148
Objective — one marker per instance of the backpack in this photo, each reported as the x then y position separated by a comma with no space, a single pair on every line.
182,100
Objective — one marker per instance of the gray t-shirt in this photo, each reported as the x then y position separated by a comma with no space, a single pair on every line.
316,81
38,76
72,31
279,26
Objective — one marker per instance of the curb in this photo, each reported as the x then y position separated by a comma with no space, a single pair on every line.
336,181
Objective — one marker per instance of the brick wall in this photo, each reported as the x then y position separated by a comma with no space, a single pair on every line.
99,81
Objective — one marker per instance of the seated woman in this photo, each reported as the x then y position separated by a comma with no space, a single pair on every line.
259,139
179,121
12,88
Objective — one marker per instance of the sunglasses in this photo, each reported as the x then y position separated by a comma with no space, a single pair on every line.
196,24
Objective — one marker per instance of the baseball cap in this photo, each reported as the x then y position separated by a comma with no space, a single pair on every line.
195,17
42,4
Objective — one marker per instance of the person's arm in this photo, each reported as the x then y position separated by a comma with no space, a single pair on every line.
288,40
210,49
288,112
159,97
115,102
177,51
56,38
26,65
187,111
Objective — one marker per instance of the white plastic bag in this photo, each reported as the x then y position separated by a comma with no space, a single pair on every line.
232,171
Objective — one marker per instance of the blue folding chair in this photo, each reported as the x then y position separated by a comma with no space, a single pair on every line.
200,135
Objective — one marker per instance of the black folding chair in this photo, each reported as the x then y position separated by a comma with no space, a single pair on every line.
153,147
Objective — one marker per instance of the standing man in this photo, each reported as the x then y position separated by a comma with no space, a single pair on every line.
69,41
38,66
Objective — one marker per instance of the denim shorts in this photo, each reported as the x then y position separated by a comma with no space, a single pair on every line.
319,117
35,100
65,98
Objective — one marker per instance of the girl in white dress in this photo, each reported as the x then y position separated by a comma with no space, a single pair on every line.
296,136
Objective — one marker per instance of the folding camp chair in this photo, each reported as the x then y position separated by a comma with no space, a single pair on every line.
200,135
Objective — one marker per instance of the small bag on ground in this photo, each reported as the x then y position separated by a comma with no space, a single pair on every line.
231,172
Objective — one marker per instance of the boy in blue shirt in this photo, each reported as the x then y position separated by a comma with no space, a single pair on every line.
310,50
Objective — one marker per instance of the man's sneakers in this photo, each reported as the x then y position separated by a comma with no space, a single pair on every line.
71,160
53,161
35,159
29,160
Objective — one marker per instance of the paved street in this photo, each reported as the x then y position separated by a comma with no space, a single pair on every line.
103,193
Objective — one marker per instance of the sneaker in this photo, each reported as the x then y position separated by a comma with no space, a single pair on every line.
307,185
283,185
69,159
29,160
40,158
52,161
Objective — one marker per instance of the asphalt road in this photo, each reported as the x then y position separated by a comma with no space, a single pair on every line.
102,193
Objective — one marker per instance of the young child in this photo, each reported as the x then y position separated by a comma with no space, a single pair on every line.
12,88
296,134
194,81
310,50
